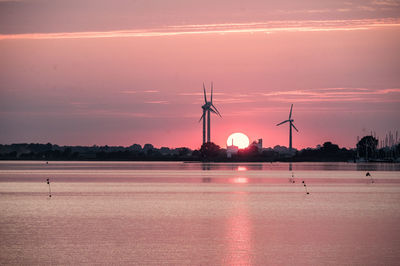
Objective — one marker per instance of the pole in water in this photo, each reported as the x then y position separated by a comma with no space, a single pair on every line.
48,183
368,174
291,180
305,187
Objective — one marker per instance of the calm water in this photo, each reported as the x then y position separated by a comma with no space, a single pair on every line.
202,214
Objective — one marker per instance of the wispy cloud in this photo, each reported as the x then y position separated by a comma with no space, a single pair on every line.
367,8
236,100
224,28
336,95
140,91
128,92
157,102
386,3
310,95
301,11
199,93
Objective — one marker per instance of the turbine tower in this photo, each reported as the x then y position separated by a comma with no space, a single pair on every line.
290,120
208,108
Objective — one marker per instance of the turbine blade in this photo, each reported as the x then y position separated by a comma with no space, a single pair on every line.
202,117
282,122
215,112
205,95
211,91
290,115
294,127
216,109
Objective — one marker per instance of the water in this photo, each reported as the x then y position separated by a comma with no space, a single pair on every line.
202,214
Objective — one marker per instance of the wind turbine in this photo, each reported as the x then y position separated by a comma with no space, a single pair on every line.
290,120
208,107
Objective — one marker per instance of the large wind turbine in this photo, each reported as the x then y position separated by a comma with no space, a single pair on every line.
290,120
208,107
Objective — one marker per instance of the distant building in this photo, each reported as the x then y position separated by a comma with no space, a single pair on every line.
231,150
258,145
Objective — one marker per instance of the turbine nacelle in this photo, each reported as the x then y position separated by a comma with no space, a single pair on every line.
290,120
208,105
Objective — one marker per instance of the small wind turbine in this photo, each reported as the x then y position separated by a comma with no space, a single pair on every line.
208,107
48,183
290,120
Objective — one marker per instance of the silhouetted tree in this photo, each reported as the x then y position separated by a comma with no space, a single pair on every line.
397,150
250,151
367,147
270,154
329,148
148,148
183,151
66,153
135,147
196,154
209,150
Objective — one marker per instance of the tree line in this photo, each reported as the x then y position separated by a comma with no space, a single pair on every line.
366,150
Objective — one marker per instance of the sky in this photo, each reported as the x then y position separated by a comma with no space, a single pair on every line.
96,72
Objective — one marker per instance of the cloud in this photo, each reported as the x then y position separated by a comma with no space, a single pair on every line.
157,102
137,92
336,95
224,28
300,11
128,92
309,95
199,93
392,3
234,100
367,8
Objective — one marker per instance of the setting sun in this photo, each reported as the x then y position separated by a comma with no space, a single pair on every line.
238,139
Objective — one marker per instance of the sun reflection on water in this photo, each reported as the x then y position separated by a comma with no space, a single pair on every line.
240,180
238,234
242,168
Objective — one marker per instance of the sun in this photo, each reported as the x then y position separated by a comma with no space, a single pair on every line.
239,139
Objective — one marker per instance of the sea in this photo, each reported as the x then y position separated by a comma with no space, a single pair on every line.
191,213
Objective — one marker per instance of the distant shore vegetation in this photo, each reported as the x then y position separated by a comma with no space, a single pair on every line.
327,152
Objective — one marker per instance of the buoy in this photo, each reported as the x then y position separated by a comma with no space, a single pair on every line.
368,174
305,187
48,182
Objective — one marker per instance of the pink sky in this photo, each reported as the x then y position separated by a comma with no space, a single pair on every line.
92,72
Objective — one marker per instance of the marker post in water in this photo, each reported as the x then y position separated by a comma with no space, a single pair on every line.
48,183
368,174
305,187
291,180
